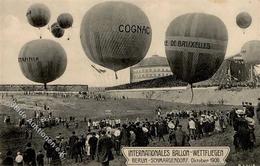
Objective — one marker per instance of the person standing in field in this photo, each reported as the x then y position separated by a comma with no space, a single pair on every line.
192,128
92,145
48,148
87,145
72,140
180,138
104,149
258,111
30,155
8,161
40,158
124,136
160,131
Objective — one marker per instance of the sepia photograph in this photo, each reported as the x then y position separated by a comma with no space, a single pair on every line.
130,82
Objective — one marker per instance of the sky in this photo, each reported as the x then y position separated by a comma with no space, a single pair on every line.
15,31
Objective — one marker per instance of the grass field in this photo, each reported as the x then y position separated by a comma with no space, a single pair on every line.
121,108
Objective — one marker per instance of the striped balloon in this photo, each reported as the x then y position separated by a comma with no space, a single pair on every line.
195,46
251,52
56,30
65,20
244,20
38,15
115,35
42,60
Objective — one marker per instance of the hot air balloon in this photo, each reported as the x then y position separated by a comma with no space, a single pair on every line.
42,60
65,20
250,52
38,15
115,35
244,20
195,46
56,30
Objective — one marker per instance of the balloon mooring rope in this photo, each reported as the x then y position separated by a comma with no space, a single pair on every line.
192,94
116,75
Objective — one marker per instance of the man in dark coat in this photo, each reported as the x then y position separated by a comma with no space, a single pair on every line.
140,137
55,158
48,148
8,161
82,143
125,136
250,111
179,137
258,111
161,131
30,155
104,149
40,158
72,140
76,151
93,145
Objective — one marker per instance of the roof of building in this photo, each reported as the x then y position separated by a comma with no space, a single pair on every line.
235,57
155,60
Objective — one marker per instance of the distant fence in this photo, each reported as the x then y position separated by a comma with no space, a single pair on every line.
31,87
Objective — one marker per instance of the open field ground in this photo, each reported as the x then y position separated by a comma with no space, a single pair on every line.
206,95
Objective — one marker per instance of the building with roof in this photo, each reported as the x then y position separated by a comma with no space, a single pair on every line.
232,70
150,68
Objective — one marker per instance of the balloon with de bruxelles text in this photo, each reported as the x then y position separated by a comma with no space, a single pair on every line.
42,60
195,46
115,35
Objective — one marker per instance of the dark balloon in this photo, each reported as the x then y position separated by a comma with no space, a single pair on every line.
42,60
56,30
195,46
243,20
251,52
115,35
65,20
38,15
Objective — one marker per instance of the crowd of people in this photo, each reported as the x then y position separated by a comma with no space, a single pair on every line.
104,138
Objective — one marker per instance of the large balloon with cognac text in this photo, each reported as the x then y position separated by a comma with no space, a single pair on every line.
115,35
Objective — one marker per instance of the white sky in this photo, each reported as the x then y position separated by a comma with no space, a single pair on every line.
15,31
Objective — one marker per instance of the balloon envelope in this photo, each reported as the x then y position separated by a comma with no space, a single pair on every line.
115,35
244,20
42,60
251,52
65,20
38,15
195,46
56,30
